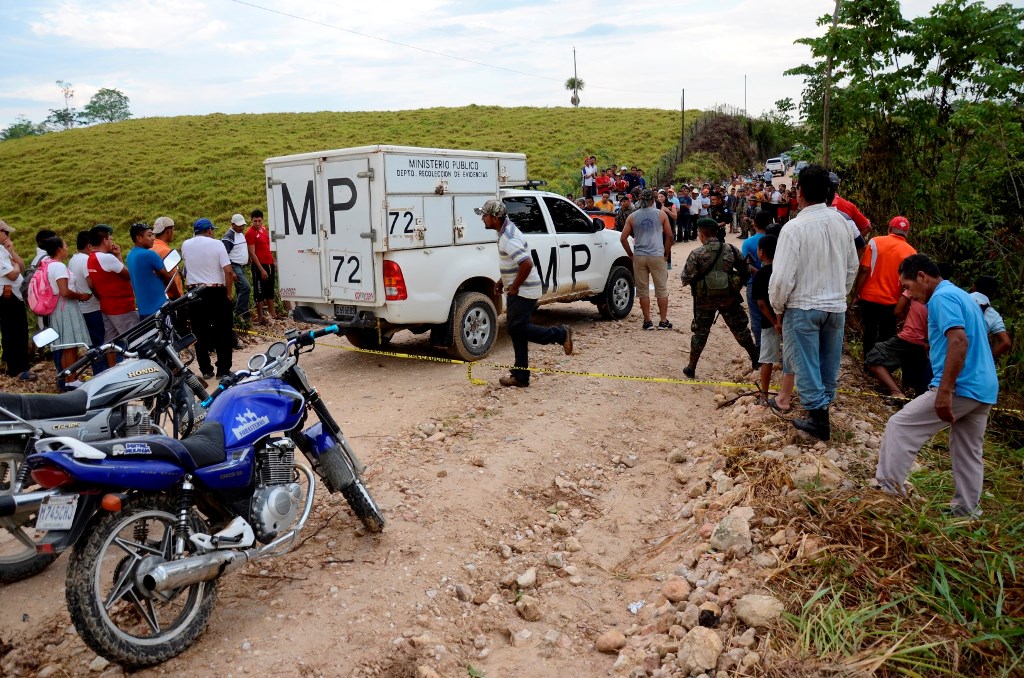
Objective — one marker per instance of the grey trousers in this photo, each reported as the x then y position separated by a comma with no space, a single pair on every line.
915,424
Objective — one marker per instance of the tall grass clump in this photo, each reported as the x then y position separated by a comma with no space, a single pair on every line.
901,589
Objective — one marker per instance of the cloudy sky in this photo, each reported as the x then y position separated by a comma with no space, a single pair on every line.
185,57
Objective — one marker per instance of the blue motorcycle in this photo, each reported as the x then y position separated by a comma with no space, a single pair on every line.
155,521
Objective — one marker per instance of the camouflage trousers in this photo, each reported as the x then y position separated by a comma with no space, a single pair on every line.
734,316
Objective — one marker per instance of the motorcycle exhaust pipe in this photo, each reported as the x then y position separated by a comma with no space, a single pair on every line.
179,573
26,502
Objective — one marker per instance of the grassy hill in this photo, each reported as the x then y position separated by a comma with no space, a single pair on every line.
212,166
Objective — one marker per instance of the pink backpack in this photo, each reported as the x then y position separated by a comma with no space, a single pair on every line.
41,298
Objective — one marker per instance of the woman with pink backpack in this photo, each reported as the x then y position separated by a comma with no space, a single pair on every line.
50,296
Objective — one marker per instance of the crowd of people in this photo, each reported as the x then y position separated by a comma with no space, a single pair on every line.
96,294
805,261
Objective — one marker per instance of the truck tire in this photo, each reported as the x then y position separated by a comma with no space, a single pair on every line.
474,326
367,339
617,299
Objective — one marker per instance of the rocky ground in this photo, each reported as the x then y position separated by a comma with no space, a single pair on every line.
583,526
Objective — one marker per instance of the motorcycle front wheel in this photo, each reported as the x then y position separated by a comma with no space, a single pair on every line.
18,557
114,616
338,473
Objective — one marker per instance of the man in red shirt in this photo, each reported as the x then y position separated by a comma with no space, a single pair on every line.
877,288
112,285
264,271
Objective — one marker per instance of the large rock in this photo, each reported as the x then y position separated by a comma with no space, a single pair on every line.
757,610
816,474
699,651
528,579
611,641
529,608
676,589
731,531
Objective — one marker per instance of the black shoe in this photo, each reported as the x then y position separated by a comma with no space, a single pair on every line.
664,325
648,325
208,374
689,372
817,426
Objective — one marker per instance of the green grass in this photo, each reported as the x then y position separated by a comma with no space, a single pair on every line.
212,166
912,592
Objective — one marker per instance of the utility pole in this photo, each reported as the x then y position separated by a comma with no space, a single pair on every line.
828,91
745,95
682,123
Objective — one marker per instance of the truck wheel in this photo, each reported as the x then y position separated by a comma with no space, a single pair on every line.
367,339
617,300
474,326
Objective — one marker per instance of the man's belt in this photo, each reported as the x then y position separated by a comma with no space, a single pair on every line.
192,287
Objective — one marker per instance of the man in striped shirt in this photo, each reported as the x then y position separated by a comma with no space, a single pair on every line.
522,285
813,272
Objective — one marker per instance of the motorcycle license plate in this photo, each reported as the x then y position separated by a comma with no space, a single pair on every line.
57,512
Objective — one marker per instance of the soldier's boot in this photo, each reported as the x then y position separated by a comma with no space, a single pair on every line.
818,425
755,358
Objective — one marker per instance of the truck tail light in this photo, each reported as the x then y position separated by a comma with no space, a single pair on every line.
394,282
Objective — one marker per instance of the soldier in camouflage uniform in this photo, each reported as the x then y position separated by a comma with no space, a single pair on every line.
706,302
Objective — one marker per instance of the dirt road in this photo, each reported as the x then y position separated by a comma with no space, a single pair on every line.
480,485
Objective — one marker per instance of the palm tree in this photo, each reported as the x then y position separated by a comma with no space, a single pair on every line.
574,84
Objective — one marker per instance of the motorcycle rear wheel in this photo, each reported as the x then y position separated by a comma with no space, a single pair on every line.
18,557
112,614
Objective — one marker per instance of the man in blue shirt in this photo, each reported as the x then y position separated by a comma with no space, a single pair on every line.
749,252
146,269
961,393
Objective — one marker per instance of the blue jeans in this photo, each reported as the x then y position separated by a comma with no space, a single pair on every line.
518,313
813,344
94,322
243,290
755,314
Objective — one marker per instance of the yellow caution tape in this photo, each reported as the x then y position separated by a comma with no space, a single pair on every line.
577,373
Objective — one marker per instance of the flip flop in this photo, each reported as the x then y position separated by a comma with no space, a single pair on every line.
775,406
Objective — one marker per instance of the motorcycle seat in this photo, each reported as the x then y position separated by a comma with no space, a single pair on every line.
206,445
45,405
204,448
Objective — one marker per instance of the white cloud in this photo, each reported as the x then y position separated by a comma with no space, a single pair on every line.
201,56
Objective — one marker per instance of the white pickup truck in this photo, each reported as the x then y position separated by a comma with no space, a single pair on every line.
380,239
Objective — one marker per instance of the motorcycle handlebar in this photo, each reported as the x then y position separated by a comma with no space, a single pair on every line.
91,356
303,339
307,338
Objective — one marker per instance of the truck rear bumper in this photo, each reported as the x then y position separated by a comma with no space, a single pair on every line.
361,319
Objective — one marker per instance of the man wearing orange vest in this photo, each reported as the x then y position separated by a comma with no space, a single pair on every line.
877,288
111,283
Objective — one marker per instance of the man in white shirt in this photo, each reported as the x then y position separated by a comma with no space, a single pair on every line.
207,263
13,320
238,253
79,282
813,272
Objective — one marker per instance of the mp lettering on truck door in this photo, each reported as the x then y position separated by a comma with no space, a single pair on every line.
574,232
293,211
349,258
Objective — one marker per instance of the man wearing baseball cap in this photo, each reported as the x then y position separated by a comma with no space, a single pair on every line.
238,252
522,286
877,288
207,263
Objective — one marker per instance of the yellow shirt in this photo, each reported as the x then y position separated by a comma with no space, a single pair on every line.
605,205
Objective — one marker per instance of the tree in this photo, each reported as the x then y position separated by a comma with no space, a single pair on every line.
64,117
575,85
22,127
107,105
